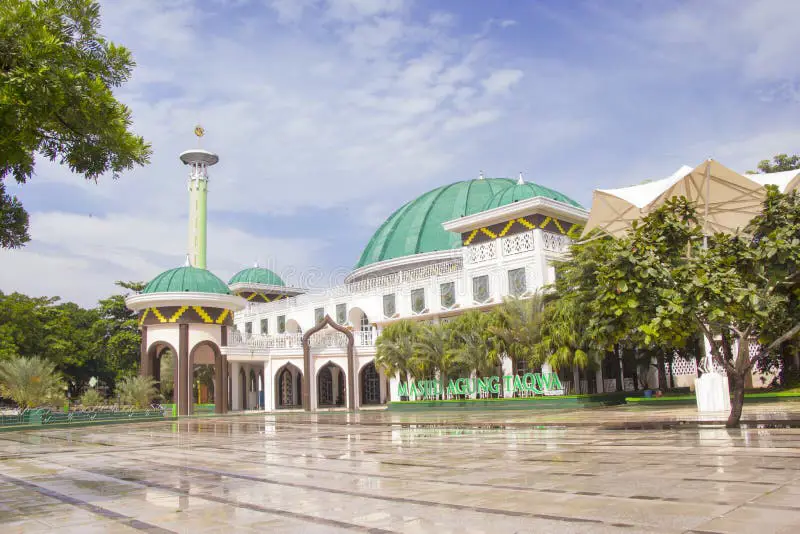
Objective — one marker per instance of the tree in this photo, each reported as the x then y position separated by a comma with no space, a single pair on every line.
13,220
57,76
473,344
137,391
661,283
118,336
394,349
433,346
516,326
781,162
31,382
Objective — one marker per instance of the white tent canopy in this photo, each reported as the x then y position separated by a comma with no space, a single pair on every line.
785,180
726,200
613,210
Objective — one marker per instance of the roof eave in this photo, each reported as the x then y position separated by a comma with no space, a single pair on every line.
517,209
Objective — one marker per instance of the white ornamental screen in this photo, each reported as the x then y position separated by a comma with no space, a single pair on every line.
482,252
518,243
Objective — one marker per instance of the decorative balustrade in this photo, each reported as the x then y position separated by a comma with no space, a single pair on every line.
556,242
518,243
323,339
482,252
363,286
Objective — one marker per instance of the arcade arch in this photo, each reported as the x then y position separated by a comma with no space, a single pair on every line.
331,386
288,387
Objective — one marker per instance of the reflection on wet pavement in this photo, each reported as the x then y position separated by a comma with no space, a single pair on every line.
621,469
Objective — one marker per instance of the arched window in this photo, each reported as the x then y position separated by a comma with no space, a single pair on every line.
286,396
370,385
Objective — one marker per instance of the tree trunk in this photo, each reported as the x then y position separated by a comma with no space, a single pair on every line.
737,400
662,371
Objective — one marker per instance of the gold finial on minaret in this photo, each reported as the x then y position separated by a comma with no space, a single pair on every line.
199,131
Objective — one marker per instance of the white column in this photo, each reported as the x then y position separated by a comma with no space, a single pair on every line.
269,387
236,384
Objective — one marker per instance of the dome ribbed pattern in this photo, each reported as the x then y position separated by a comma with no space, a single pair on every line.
524,191
256,275
187,279
416,227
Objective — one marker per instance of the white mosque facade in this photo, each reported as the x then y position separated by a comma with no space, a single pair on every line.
463,246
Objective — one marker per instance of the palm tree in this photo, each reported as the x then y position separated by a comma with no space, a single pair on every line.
517,327
137,391
394,349
566,341
434,347
473,346
31,382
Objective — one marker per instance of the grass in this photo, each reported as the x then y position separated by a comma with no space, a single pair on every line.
786,393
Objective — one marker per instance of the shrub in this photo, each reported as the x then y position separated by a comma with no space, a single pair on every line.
31,382
137,391
91,398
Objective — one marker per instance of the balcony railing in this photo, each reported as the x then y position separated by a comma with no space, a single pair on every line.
363,286
324,339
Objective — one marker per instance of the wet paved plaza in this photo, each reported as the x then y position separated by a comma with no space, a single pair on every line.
598,470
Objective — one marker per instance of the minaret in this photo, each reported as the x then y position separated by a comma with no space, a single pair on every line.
198,160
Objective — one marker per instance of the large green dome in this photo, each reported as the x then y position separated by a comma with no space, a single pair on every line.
257,275
187,279
416,227
525,190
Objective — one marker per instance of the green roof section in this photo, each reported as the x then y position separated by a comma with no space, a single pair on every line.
187,279
525,191
257,275
416,227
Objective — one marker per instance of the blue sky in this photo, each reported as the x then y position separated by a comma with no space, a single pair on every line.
329,114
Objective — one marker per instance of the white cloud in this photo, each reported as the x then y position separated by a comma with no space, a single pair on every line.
500,81
78,257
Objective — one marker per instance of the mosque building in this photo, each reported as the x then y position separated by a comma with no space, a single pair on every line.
462,246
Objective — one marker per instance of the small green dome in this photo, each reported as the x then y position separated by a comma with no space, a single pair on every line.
187,279
522,191
257,275
416,227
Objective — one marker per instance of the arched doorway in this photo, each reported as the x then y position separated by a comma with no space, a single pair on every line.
162,363
206,379
243,388
288,387
331,386
370,382
293,327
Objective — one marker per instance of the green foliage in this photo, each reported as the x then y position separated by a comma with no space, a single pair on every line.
57,77
137,391
516,327
394,348
31,382
434,350
167,363
91,398
103,342
116,332
13,220
473,344
781,162
658,286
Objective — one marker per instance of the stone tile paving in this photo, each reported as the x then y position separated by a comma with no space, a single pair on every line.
623,469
